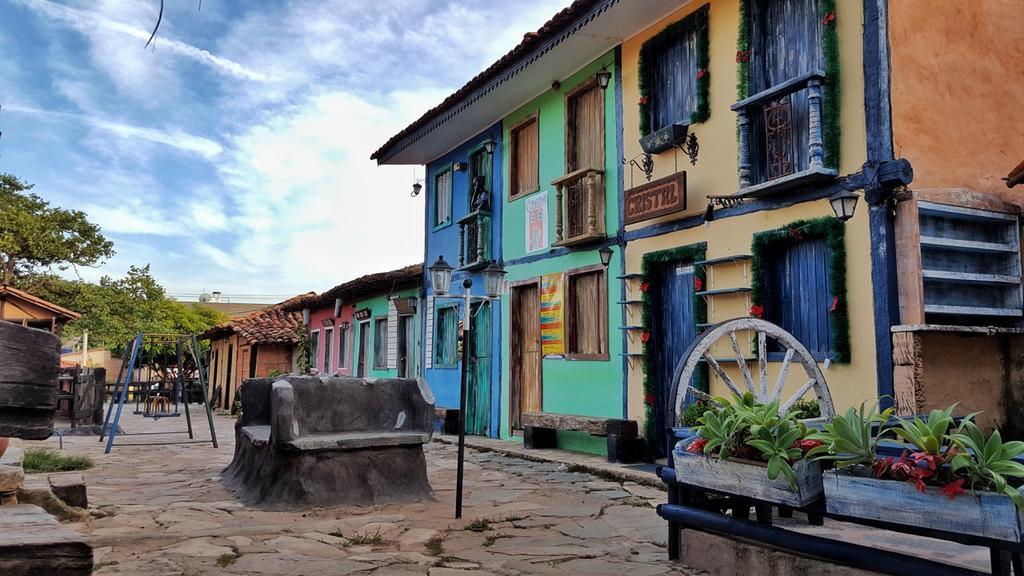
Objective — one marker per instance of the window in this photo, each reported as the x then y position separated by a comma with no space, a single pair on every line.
343,346
314,345
328,341
670,62
524,157
586,327
799,293
443,198
446,340
479,167
380,344
584,141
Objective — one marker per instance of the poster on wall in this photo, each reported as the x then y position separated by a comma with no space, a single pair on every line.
537,222
552,335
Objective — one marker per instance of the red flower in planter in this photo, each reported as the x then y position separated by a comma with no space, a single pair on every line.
644,100
645,336
925,461
698,284
645,286
953,489
881,466
757,310
742,56
650,399
901,468
829,18
806,446
697,447
701,72
918,476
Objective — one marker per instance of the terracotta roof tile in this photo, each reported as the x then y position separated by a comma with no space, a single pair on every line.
271,325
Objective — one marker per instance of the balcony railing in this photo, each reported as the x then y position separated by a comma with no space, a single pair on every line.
579,207
781,136
475,240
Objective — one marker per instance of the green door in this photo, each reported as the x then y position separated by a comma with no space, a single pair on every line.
478,385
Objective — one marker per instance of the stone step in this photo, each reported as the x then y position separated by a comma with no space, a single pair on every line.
33,542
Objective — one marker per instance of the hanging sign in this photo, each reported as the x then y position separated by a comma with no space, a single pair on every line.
552,333
658,198
537,222
363,314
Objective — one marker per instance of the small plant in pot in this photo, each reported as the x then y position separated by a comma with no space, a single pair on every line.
948,476
752,450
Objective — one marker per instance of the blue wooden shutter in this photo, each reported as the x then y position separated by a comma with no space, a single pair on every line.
801,296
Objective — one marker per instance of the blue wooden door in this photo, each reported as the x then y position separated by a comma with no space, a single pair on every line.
478,385
674,329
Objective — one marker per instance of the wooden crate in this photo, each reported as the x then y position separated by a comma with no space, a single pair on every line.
984,514
749,479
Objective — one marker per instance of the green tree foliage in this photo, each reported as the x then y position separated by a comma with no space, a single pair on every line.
116,308
35,236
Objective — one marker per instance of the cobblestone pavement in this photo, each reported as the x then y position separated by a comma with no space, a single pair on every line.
161,511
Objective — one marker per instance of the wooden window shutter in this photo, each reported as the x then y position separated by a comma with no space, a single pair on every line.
585,125
428,344
525,155
588,314
392,341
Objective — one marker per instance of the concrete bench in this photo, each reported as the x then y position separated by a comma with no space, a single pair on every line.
304,441
624,444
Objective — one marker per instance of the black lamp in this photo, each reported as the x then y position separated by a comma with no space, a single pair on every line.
416,189
440,275
844,204
606,255
489,146
604,77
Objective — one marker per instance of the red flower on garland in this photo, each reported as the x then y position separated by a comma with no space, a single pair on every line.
835,304
953,489
796,233
701,72
650,399
829,18
645,336
743,56
644,100
697,447
698,284
757,310
644,287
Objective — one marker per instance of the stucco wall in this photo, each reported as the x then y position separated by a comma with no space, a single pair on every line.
378,306
957,84
316,322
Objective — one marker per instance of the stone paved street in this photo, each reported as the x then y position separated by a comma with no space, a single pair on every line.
164,513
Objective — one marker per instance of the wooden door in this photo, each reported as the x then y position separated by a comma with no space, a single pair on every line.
405,346
478,384
525,353
673,330
364,349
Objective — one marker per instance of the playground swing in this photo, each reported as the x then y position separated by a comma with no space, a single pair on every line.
166,390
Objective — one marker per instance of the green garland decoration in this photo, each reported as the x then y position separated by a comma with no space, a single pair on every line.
834,233
660,42
689,253
832,113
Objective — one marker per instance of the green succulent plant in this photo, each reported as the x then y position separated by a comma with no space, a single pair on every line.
851,439
987,463
932,435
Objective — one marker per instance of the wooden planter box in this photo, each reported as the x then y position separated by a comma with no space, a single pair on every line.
749,479
984,514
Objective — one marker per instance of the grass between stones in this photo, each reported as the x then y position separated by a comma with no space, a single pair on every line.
225,560
364,539
479,525
39,460
435,546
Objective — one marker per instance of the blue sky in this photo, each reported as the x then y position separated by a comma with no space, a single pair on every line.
234,155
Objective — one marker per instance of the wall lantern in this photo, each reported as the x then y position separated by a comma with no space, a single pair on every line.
416,189
460,166
604,77
346,325
844,204
440,275
606,255
489,146
494,275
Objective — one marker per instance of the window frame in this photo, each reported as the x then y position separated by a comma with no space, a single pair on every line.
534,119
380,343
570,333
328,349
438,363
314,349
435,225
696,23
342,347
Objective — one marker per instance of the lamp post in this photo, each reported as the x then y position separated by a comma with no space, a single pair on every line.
441,278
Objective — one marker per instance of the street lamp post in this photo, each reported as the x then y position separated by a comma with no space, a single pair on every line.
441,277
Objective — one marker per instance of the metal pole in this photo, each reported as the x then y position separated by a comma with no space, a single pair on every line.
466,337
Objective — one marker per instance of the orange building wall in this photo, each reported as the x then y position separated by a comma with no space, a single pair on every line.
958,92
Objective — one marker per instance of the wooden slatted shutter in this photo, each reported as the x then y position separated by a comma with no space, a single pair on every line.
585,126
674,80
392,336
588,314
801,294
525,154
428,344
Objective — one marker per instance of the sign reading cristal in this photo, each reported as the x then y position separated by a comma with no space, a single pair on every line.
658,198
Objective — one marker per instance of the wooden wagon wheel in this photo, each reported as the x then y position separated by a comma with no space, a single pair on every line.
764,391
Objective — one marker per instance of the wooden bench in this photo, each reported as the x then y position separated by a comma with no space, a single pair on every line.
306,441
624,443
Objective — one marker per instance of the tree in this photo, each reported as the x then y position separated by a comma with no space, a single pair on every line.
35,236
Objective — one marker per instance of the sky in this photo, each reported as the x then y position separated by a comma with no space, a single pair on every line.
233,154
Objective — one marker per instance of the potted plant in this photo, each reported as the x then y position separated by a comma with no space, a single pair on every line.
949,476
752,450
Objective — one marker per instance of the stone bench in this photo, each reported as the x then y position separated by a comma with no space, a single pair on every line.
624,444
304,441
